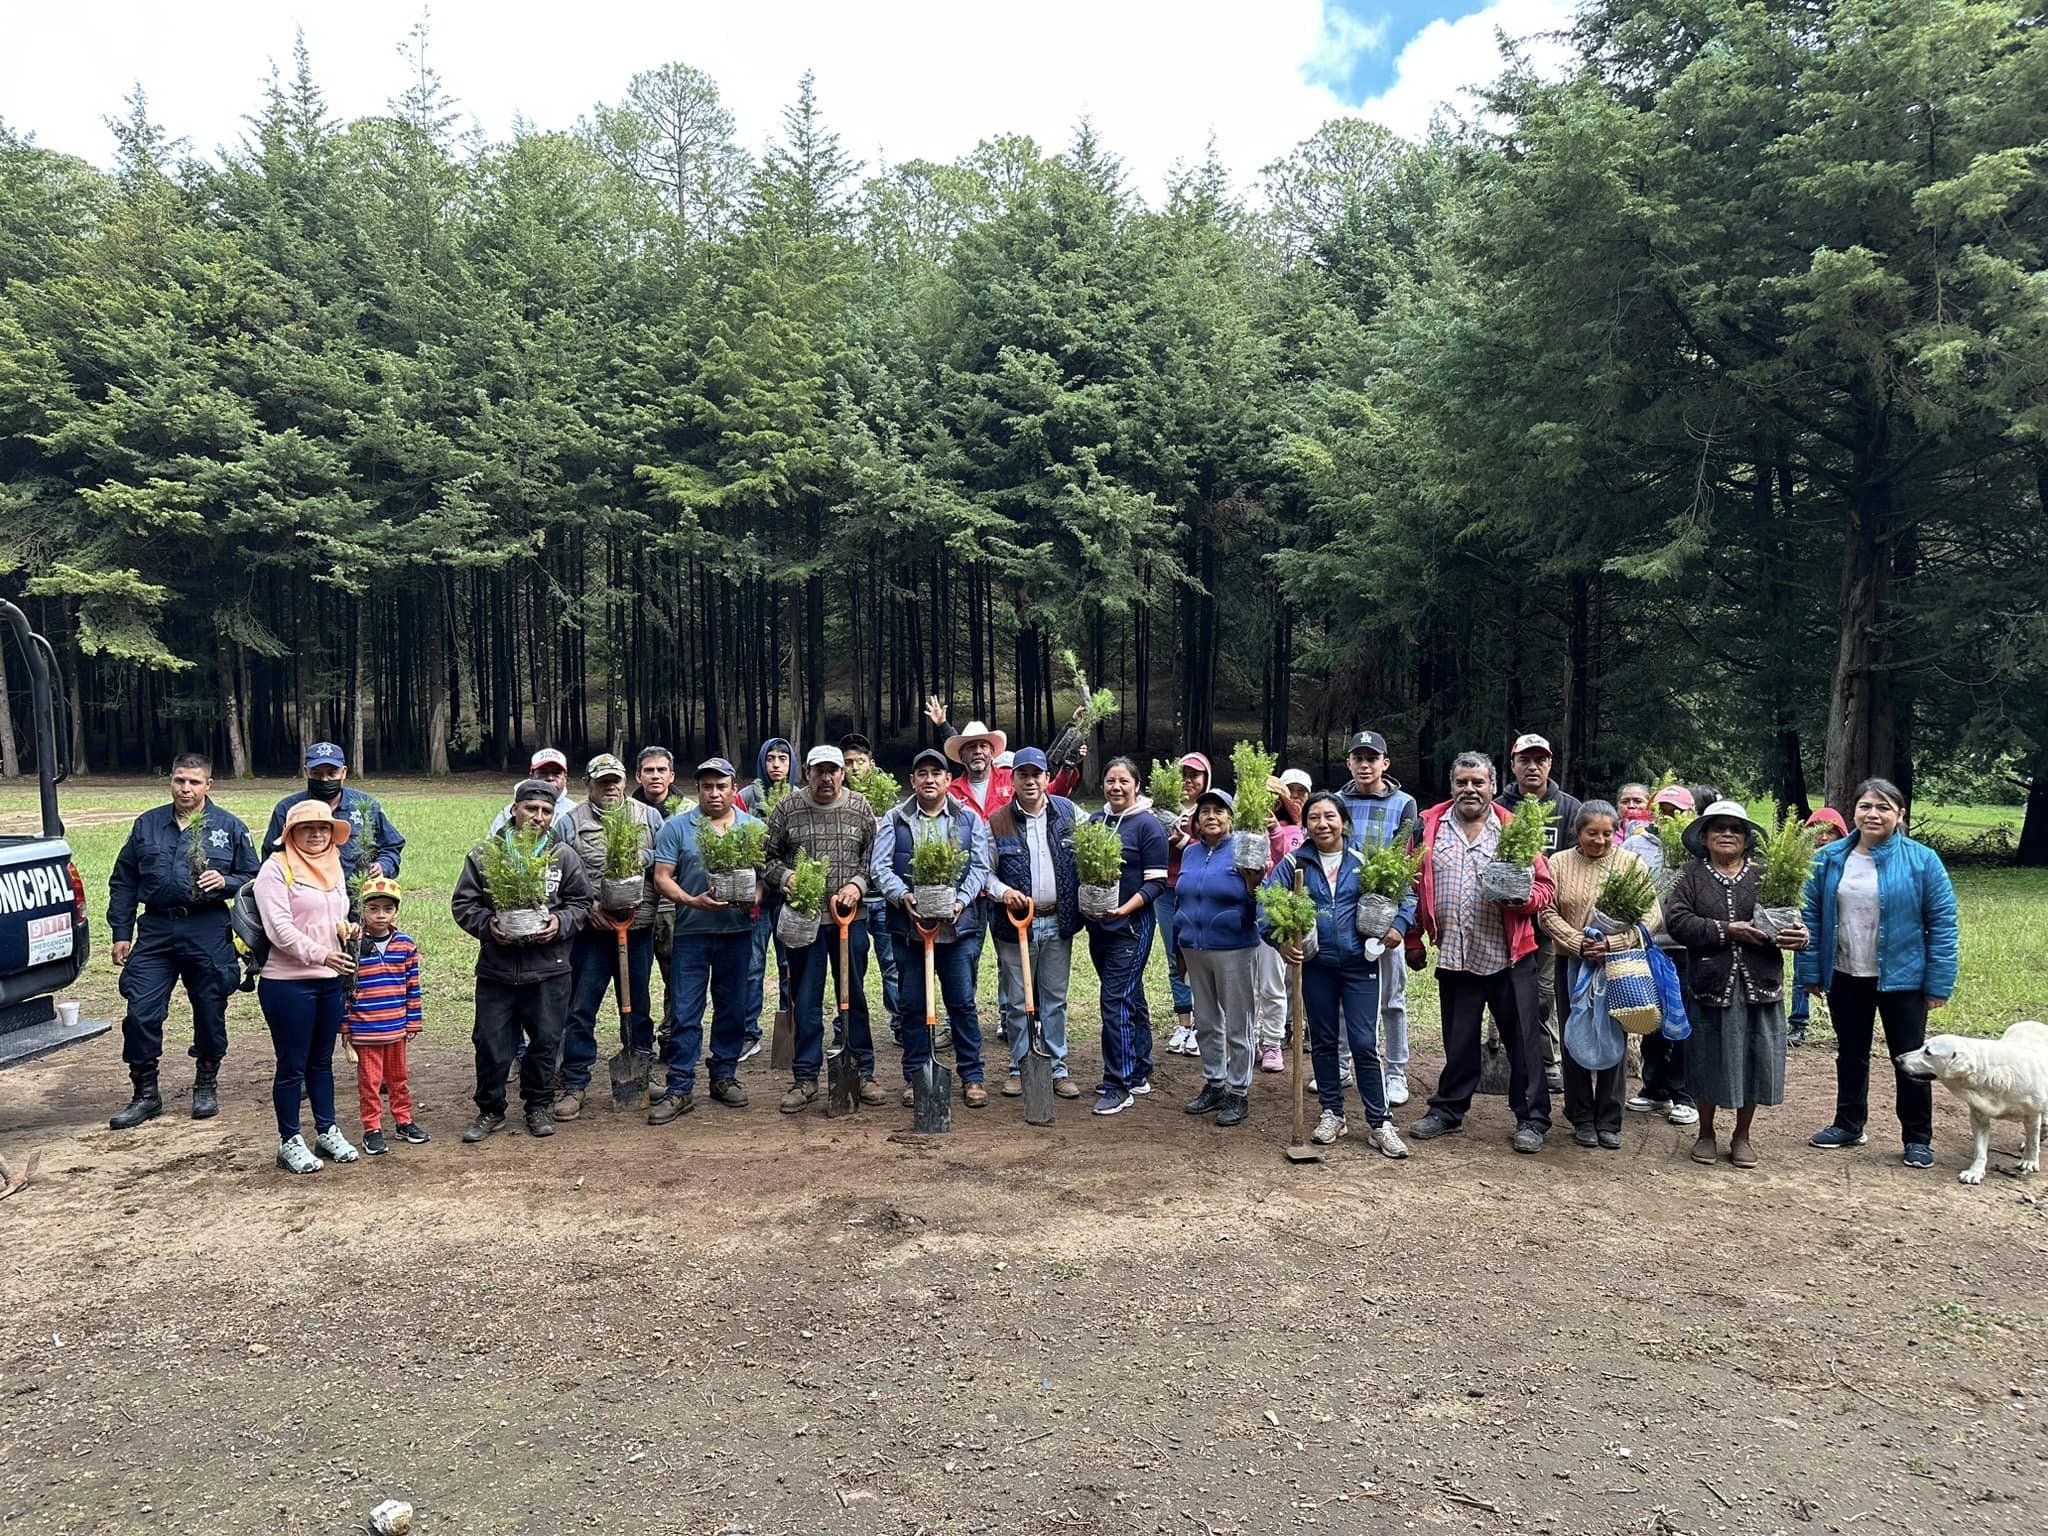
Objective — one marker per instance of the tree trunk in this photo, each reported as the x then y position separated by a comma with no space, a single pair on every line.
10,762
1859,741
358,693
231,709
2033,849
438,688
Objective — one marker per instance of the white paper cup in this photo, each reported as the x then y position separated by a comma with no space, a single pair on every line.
67,1015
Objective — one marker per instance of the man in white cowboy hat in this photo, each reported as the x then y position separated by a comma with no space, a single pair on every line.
986,784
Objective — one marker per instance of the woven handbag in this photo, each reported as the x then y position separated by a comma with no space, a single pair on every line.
1633,1000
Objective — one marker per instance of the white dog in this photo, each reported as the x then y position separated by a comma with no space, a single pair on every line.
2002,1079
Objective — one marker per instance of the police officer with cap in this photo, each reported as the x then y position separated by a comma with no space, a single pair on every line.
183,863
373,846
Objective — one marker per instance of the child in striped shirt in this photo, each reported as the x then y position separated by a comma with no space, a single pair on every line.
383,1014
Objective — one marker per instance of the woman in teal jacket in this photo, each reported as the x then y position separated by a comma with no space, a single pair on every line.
1883,918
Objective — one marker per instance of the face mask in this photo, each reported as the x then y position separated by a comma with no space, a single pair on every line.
328,790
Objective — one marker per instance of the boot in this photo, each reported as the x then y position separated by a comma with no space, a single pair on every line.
206,1090
147,1103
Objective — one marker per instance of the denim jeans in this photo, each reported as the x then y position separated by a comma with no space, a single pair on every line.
713,968
1341,1002
884,948
1052,962
305,1021
757,975
1393,986
594,972
809,969
1856,1006
1126,1019
1163,912
953,967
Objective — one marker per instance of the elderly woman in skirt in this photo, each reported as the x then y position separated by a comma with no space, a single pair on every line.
1736,1058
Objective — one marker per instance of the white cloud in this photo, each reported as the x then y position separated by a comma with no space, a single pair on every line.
1443,61
901,78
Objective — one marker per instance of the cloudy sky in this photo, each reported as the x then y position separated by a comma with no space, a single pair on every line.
898,79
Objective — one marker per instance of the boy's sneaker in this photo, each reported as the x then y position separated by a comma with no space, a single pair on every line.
294,1156
335,1145
1113,1101
1642,1104
1834,1136
1683,1114
483,1125
412,1134
1388,1140
373,1143
1328,1128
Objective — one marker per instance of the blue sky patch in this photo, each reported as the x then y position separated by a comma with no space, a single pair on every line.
1354,58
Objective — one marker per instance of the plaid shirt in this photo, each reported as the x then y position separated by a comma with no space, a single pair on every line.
842,834
1470,935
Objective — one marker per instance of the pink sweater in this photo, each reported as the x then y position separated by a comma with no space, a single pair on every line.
303,922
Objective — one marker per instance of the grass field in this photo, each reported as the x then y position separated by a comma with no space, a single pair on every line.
2004,911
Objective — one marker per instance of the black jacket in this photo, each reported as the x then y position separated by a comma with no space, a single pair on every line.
519,965
1565,808
155,869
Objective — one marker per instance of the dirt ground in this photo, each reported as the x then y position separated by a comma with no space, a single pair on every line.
743,1323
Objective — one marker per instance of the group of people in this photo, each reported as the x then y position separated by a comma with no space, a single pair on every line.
1877,938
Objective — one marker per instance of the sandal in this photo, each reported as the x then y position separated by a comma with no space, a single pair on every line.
1706,1150
1741,1153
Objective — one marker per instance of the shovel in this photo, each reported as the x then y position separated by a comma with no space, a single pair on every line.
629,1068
1300,1149
844,1094
932,1088
1037,1069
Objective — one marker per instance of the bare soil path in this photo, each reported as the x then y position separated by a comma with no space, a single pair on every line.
751,1324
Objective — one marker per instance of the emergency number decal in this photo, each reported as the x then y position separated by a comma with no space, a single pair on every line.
49,938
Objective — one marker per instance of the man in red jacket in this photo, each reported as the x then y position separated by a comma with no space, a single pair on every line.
1485,957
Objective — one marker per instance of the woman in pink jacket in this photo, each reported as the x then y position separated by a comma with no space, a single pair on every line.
302,896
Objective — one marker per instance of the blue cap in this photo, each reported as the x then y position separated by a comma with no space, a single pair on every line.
931,755
325,754
1228,800
1029,757
716,765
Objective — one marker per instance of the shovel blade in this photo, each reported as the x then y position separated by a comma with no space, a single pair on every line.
1037,1073
1302,1152
844,1095
630,1071
782,1047
932,1099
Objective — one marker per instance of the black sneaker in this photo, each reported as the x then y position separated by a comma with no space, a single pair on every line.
408,1132
539,1122
1433,1125
483,1125
1237,1108
1209,1100
373,1143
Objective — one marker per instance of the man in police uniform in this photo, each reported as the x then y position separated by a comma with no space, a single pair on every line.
183,862
372,840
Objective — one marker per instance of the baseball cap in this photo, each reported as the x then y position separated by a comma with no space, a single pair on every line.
1530,743
853,741
831,755
605,766
717,765
325,754
381,885
548,757
1029,757
1367,741
1675,794
1228,800
931,755
1298,776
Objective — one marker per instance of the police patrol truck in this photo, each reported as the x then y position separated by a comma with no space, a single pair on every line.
44,938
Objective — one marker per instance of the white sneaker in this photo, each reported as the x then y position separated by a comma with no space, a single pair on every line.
1311,1085
1182,1043
1683,1114
1397,1091
1141,1089
335,1145
753,1048
1328,1129
1345,1078
1642,1105
294,1156
1388,1140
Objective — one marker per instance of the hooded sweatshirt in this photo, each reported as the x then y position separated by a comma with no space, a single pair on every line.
754,797
1185,826
1375,819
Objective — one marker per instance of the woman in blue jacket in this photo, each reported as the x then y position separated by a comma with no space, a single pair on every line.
1340,986
1215,927
1883,919
1121,943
